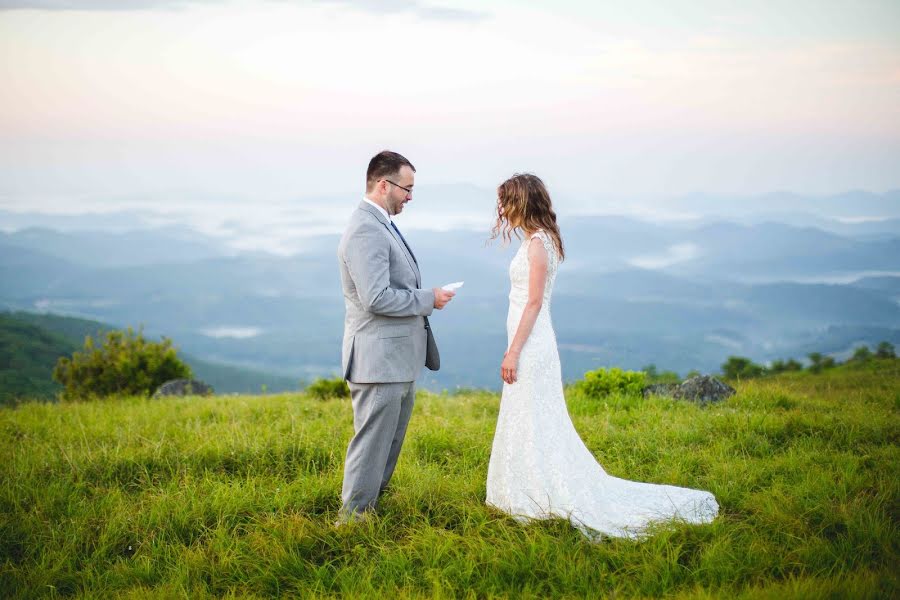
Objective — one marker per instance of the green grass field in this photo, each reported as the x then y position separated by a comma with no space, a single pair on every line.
235,497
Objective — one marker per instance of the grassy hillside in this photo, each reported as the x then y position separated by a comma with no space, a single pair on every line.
28,354
235,497
31,343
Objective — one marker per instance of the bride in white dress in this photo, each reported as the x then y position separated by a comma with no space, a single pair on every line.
539,467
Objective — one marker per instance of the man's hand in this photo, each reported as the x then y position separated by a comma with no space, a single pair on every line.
442,297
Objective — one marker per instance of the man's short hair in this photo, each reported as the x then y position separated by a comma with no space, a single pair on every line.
383,165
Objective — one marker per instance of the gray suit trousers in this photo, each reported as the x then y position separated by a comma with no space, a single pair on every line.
381,413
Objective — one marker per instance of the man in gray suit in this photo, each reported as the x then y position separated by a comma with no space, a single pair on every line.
387,337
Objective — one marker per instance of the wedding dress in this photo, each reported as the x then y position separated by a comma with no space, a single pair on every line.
539,467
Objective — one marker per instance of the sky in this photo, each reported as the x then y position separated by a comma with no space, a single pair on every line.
268,100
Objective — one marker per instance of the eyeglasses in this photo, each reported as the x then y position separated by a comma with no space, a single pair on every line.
408,190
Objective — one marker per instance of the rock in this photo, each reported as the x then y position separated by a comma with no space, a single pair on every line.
704,388
660,389
701,389
183,387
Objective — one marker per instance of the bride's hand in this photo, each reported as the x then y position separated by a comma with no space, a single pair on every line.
509,367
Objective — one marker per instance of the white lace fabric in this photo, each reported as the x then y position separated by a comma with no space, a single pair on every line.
539,466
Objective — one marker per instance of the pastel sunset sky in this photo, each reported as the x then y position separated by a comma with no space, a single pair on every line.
279,99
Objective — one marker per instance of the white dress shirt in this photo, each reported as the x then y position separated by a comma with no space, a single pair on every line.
384,212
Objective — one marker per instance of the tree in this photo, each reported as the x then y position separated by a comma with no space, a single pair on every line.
125,364
793,365
815,360
739,367
655,376
861,354
885,350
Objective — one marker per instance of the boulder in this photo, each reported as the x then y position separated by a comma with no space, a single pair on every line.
660,389
701,389
183,387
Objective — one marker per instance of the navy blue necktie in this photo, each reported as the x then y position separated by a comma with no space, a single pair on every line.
404,242
427,324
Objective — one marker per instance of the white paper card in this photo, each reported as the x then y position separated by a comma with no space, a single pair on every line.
452,287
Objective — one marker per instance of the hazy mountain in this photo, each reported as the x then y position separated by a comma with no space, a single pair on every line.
681,295
887,285
112,249
444,207
114,221
847,205
874,228
27,275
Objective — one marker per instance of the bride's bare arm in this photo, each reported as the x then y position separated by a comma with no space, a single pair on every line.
537,279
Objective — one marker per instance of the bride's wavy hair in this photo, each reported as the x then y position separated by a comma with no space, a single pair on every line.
523,204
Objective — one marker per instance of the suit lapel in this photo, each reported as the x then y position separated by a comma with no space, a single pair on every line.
393,233
403,239
406,251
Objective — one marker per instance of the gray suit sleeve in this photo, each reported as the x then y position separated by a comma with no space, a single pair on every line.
367,256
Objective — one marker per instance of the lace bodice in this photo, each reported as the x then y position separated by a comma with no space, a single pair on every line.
518,271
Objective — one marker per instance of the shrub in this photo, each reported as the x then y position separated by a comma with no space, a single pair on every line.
655,376
782,366
793,365
777,366
861,354
819,362
604,382
815,362
738,367
323,389
126,363
885,350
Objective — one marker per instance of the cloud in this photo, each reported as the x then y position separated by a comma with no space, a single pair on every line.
675,254
450,14
94,5
421,10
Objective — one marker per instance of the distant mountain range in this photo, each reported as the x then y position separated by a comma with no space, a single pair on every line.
679,294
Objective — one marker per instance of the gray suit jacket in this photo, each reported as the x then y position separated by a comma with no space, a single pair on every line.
387,337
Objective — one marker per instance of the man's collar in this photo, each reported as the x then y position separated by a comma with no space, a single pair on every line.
380,209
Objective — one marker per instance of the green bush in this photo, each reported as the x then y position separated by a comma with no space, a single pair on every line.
125,364
603,382
653,375
739,367
861,354
816,362
793,365
323,389
885,350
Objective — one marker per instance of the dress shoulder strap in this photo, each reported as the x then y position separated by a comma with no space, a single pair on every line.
546,240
